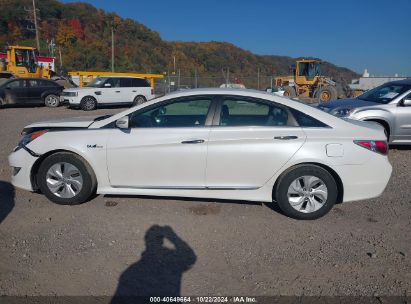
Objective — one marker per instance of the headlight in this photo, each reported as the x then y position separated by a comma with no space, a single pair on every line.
69,94
342,112
27,138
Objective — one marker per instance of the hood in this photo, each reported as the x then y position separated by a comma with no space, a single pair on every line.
78,89
348,103
75,122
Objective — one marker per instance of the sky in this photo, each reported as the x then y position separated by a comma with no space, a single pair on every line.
357,34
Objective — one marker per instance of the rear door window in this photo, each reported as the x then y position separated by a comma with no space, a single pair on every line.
140,82
239,111
126,82
17,84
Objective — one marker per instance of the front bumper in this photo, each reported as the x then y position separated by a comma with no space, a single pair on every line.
70,101
25,161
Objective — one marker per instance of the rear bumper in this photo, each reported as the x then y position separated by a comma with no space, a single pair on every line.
365,181
24,161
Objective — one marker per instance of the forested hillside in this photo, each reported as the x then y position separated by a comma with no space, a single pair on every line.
83,33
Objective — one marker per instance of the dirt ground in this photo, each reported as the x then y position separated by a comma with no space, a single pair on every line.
210,248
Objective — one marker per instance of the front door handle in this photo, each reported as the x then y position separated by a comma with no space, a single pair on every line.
117,91
286,137
194,141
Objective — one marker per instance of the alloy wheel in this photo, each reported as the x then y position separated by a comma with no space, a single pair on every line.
307,194
64,180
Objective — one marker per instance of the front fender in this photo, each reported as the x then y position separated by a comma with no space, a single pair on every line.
374,114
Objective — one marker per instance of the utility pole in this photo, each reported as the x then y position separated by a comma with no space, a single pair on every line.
35,25
112,47
33,19
61,60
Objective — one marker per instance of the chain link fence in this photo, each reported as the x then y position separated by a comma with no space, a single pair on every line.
175,82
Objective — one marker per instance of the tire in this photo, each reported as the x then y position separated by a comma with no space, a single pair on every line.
69,189
310,206
289,92
326,93
88,103
52,101
1,102
139,100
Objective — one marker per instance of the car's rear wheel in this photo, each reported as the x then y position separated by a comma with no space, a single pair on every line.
52,101
139,100
306,192
65,178
88,103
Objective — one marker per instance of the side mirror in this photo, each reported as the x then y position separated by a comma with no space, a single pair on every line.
406,102
107,85
122,123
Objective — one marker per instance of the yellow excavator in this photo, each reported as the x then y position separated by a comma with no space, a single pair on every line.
21,61
307,82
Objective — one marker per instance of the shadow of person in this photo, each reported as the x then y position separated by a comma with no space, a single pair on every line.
160,269
6,199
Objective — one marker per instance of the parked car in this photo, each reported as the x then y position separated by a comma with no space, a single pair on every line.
388,105
33,91
109,91
208,143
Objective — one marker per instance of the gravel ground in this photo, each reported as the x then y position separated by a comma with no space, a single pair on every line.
221,248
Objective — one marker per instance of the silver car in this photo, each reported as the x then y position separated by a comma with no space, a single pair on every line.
388,105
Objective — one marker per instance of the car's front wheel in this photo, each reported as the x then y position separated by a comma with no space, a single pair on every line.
52,101
88,103
306,192
66,178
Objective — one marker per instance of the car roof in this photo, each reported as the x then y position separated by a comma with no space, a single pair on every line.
401,82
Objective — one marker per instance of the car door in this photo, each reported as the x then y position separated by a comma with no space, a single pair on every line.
403,121
35,90
110,92
165,146
16,91
252,141
126,85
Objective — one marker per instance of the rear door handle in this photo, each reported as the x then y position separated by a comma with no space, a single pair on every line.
194,141
117,91
286,137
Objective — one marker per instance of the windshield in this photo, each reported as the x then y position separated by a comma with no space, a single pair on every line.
384,93
97,82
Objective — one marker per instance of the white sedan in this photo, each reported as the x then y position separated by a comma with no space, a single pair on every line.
209,143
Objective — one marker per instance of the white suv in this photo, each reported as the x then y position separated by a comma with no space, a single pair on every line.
108,90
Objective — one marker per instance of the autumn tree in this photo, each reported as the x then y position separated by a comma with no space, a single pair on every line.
65,35
76,27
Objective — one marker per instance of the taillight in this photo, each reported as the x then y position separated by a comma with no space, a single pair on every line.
36,134
152,91
379,146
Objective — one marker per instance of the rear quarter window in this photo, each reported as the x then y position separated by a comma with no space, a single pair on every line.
306,121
